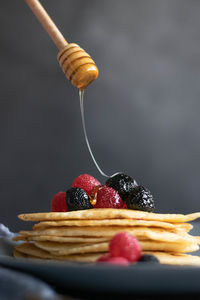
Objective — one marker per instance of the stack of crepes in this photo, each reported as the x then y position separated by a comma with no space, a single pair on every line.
84,235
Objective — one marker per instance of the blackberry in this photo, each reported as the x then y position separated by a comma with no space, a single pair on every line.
148,258
140,198
122,183
77,199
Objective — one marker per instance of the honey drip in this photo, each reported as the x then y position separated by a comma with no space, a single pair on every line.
94,193
81,95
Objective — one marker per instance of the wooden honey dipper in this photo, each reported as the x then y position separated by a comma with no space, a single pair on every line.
77,65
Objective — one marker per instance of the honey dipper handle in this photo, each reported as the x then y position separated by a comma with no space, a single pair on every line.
47,23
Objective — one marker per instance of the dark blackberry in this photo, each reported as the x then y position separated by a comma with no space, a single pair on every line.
140,198
148,258
77,199
122,183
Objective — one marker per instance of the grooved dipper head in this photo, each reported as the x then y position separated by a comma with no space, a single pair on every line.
78,66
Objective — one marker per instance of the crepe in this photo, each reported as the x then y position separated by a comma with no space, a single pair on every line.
109,213
31,251
114,222
109,231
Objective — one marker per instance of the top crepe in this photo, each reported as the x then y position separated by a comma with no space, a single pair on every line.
109,213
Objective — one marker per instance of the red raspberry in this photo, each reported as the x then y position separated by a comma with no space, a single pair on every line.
114,260
85,182
108,198
58,202
121,261
125,245
104,257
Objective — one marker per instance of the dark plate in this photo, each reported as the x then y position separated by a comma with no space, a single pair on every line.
140,279
137,279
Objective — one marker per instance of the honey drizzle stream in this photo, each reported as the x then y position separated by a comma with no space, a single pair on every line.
81,95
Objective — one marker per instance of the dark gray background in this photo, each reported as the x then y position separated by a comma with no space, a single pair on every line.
142,113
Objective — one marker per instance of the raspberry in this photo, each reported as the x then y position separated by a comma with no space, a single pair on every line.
108,198
77,199
118,261
85,182
104,257
125,245
58,202
121,261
